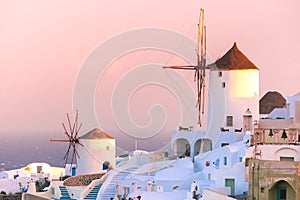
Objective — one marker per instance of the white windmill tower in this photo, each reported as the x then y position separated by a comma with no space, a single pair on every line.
98,152
90,152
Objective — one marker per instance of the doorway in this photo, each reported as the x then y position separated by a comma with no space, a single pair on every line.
281,193
229,182
247,123
281,190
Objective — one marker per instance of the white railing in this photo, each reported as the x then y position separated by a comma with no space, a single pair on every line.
91,186
106,181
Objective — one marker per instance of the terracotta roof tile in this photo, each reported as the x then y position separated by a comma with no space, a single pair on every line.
234,59
96,134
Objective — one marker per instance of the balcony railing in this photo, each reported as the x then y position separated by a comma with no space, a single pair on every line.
276,136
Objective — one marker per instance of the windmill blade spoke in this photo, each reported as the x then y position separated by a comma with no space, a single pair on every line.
59,140
203,95
75,123
188,67
198,81
80,143
199,84
65,129
200,87
74,155
77,153
68,151
73,129
199,99
70,126
77,131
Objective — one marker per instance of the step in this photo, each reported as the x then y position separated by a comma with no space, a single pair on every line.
93,193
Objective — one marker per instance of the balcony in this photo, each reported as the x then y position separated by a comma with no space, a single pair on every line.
275,137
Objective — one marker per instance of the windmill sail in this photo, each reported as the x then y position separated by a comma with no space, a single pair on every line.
199,75
73,139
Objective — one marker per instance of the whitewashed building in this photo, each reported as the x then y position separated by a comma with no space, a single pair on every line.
98,149
233,105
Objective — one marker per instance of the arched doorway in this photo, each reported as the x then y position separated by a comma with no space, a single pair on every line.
281,190
202,145
182,148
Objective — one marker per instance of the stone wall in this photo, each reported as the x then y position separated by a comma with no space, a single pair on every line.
11,197
82,180
265,177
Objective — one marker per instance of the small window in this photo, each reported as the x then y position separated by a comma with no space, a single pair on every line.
229,121
224,144
209,176
241,159
107,148
225,160
285,158
223,84
220,74
39,169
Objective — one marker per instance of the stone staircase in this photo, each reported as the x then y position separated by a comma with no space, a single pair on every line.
93,194
110,190
64,193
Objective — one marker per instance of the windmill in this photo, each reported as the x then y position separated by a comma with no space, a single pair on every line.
72,133
199,69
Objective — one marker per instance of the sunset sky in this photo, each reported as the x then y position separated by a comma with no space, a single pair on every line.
45,43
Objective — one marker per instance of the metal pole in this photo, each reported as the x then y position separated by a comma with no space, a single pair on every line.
253,198
136,144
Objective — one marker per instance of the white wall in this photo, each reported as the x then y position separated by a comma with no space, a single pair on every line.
242,92
190,136
94,153
233,169
273,152
32,168
209,195
237,172
3,175
229,137
291,100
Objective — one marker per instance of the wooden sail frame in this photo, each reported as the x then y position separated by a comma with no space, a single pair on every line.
199,75
71,131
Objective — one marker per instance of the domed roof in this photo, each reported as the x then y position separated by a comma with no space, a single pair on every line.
271,100
234,59
96,134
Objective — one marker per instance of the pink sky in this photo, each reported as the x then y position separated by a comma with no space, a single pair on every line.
44,43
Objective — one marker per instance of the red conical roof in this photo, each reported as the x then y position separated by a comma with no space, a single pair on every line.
96,134
234,59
